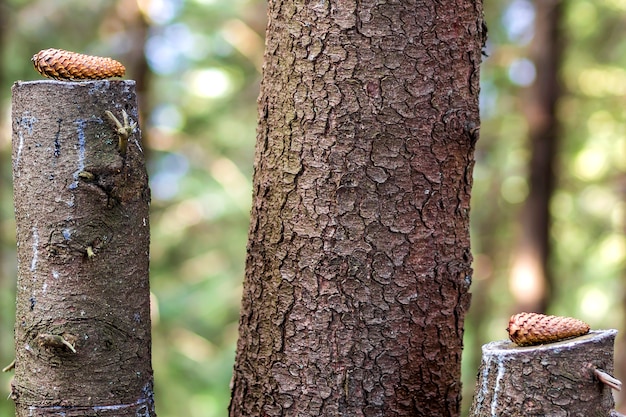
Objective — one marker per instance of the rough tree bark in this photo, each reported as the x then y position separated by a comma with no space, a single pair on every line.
556,379
358,264
81,210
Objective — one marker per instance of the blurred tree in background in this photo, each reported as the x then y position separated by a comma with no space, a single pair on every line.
198,63
587,245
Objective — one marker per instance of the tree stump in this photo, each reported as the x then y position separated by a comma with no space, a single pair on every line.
555,379
82,332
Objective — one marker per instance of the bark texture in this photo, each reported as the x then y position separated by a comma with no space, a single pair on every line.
358,264
81,210
556,379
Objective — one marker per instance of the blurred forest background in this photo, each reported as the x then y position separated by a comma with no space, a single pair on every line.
548,209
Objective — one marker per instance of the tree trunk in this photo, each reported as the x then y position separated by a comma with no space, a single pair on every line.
531,280
82,331
556,379
358,264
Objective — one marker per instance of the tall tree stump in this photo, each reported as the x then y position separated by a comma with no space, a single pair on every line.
82,332
555,379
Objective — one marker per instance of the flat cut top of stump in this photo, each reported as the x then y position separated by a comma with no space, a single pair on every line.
506,347
554,379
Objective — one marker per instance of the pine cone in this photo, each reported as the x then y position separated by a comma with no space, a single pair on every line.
65,65
533,328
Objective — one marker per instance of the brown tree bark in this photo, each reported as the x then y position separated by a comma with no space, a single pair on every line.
557,379
82,331
531,277
358,264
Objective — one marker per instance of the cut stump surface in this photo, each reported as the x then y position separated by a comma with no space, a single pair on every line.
555,379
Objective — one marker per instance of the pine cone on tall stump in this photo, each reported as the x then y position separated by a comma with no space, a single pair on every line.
72,66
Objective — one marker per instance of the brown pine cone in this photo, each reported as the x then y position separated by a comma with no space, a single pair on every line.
65,65
534,328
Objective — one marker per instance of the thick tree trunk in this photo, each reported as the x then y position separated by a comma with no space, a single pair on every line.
557,379
81,209
359,257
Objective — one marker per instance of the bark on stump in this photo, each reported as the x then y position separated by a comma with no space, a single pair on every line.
555,379
81,207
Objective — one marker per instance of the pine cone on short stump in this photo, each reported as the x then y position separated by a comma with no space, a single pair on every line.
533,328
